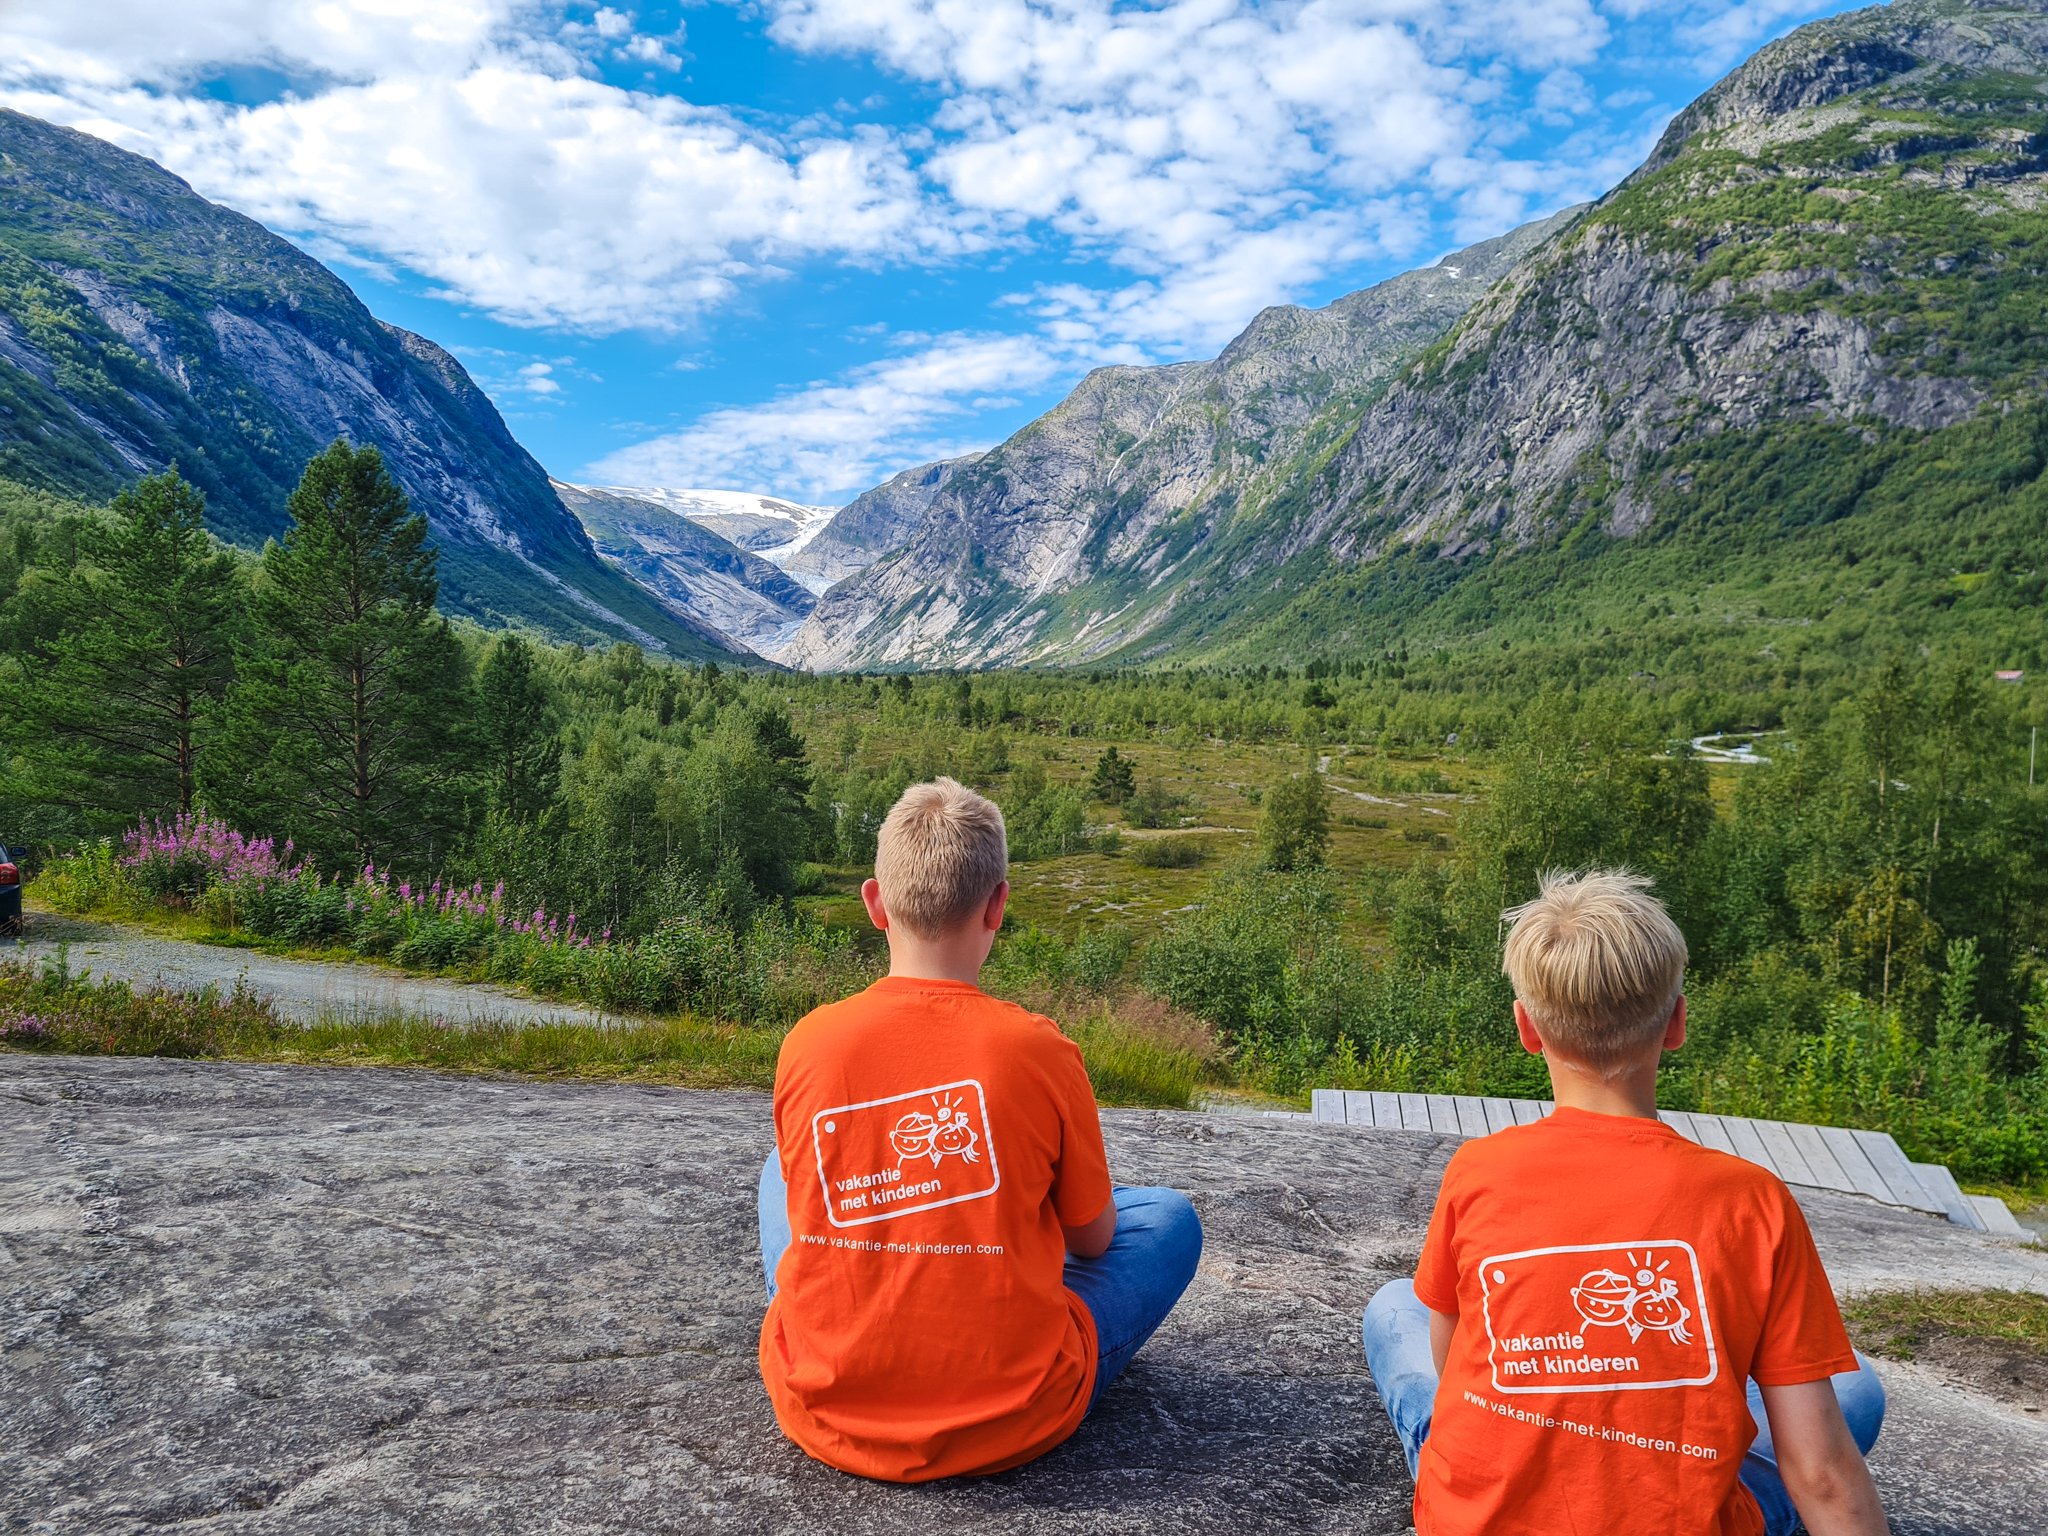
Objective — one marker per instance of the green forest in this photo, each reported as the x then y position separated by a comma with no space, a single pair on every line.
1230,880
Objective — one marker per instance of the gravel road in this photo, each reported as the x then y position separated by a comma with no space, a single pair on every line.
304,990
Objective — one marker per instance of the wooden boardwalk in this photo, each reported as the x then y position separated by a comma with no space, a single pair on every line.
1817,1156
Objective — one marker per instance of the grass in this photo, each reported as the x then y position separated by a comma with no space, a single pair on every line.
1901,1323
1422,791
49,1011
1131,1061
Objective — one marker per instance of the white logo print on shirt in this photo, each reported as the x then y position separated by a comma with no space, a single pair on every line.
916,1151
1548,1313
945,1132
1646,1299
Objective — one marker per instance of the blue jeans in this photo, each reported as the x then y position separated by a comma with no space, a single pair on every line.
1128,1290
1397,1352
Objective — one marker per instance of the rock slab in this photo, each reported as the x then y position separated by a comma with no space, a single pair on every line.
273,1299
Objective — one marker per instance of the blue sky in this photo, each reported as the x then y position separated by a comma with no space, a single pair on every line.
796,245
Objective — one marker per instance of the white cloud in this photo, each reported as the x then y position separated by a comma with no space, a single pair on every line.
1214,156
534,379
120,42
833,439
1228,155
541,200
652,50
1563,93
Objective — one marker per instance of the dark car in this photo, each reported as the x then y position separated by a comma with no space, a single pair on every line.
10,894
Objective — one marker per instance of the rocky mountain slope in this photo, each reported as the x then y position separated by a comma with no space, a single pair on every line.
691,568
768,525
141,325
874,524
1809,329
1125,479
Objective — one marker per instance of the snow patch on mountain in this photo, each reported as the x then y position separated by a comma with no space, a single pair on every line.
770,526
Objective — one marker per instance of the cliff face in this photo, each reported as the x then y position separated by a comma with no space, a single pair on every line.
691,568
141,325
1830,235
874,524
1846,234
1070,538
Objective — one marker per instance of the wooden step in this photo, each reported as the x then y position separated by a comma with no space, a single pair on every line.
1850,1161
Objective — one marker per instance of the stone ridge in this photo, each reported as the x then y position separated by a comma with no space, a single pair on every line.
1563,392
350,1301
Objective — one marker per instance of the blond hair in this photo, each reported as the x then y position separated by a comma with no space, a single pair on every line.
1597,962
939,857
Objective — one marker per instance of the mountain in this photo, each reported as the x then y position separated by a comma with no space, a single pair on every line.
1072,536
1791,376
691,568
768,525
141,325
1827,276
874,524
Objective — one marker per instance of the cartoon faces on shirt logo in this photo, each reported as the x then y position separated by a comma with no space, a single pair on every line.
1603,1297
912,1136
1645,1300
939,1135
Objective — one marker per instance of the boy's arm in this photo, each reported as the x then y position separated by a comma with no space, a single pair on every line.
1083,1197
1442,1325
1090,1240
1823,1470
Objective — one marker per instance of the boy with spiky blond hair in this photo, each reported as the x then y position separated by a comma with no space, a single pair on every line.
952,1279
1612,1329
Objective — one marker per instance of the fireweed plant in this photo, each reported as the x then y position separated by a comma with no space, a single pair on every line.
768,970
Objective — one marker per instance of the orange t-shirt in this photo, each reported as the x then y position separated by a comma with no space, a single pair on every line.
934,1141
1614,1285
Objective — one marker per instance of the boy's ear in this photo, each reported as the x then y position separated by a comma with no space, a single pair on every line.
1526,1028
992,914
871,898
1674,1032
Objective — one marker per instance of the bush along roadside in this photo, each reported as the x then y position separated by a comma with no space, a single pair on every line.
1256,985
768,970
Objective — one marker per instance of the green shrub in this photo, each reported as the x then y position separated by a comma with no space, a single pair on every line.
92,880
1099,957
1259,959
1168,852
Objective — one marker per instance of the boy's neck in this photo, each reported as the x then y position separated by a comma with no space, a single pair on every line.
1633,1092
918,960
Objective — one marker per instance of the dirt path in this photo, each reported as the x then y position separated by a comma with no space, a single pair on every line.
304,990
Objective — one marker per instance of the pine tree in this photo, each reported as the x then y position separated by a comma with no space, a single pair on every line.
1116,778
134,650
516,732
345,724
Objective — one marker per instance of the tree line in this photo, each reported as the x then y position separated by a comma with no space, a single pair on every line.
313,692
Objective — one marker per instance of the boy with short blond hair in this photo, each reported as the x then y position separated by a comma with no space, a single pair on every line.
953,1281
1612,1329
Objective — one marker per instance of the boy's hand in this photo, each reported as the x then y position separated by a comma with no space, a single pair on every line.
1823,1470
1092,1241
